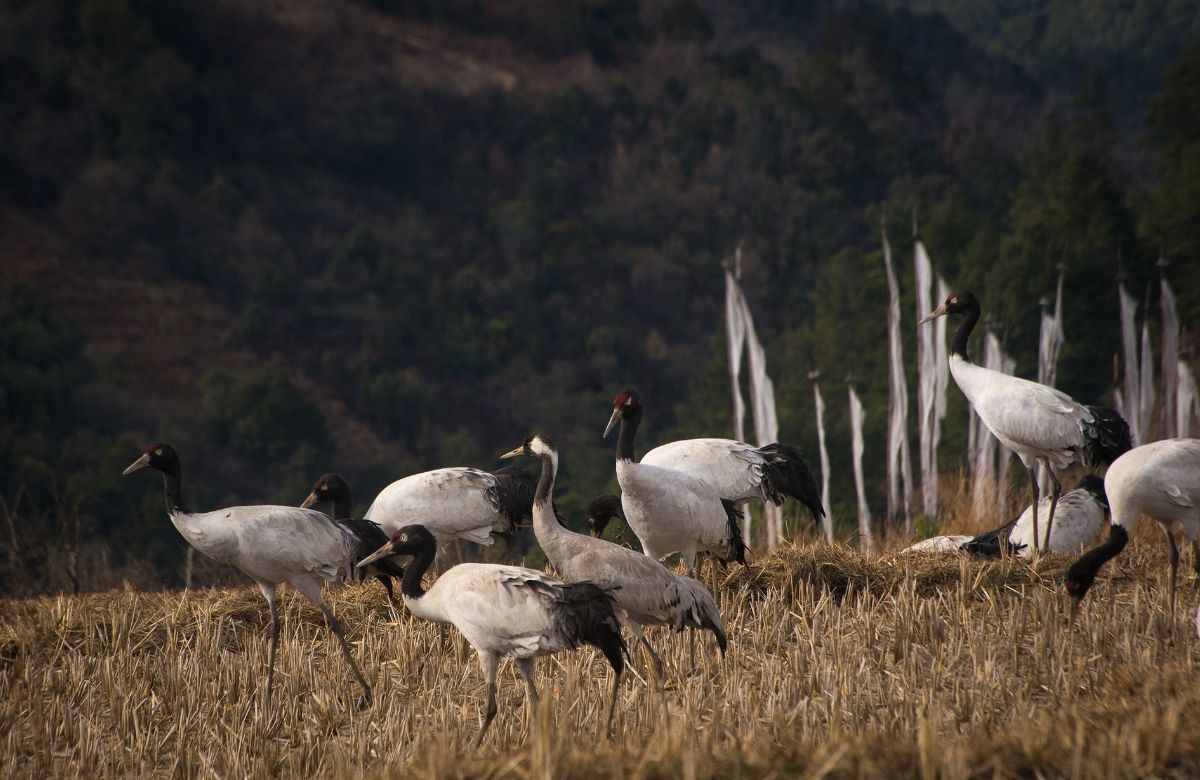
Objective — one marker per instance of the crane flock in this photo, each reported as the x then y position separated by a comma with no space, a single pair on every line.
681,497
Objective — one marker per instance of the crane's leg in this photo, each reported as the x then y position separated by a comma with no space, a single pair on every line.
1037,497
656,662
612,702
312,590
490,663
526,668
1173,560
269,592
1055,492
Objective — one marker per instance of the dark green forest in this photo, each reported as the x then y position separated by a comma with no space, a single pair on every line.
385,236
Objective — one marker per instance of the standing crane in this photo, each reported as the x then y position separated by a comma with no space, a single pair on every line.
1160,479
742,473
508,612
270,544
368,536
668,510
643,589
1038,423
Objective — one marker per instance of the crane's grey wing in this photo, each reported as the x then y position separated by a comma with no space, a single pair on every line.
734,469
500,608
1035,417
670,510
278,542
453,503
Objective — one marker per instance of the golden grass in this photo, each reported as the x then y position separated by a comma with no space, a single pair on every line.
839,666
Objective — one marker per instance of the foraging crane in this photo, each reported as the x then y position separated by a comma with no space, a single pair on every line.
668,510
456,503
508,612
368,536
1038,423
742,473
601,510
1081,514
270,544
1160,479
643,589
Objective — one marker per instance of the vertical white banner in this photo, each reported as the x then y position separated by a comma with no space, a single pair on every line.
926,380
867,540
1129,355
1170,357
819,404
899,462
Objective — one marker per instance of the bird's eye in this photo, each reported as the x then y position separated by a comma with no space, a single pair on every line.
629,402
404,537
158,451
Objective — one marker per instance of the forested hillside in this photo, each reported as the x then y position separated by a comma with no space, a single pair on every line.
385,236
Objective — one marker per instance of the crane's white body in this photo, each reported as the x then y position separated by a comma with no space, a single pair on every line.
501,610
1076,522
1160,479
670,511
939,544
1078,519
271,544
734,469
453,503
1036,422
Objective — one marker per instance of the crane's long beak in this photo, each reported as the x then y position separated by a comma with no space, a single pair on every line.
514,452
383,552
137,465
612,422
933,315
310,502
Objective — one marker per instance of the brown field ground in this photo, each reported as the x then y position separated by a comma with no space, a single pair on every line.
839,666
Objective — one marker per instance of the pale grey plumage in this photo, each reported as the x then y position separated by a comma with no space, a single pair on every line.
452,503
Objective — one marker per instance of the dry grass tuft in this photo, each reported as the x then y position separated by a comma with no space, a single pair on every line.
839,666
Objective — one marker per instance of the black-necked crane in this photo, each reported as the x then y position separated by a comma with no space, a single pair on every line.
1081,515
601,510
644,590
269,544
368,536
456,503
1160,479
1038,423
670,511
508,612
740,472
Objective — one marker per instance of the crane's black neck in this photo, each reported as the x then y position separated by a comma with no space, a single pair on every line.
342,506
410,586
173,489
629,425
958,344
1083,571
545,486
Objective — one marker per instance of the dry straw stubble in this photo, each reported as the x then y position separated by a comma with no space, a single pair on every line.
839,666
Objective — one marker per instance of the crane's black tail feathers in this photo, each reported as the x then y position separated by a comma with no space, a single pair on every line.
513,496
369,537
785,475
1106,437
736,548
990,545
585,614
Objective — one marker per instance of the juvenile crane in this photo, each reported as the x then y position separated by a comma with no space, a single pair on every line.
1162,480
1081,514
508,612
668,510
368,536
742,473
644,590
1038,423
456,503
270,544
